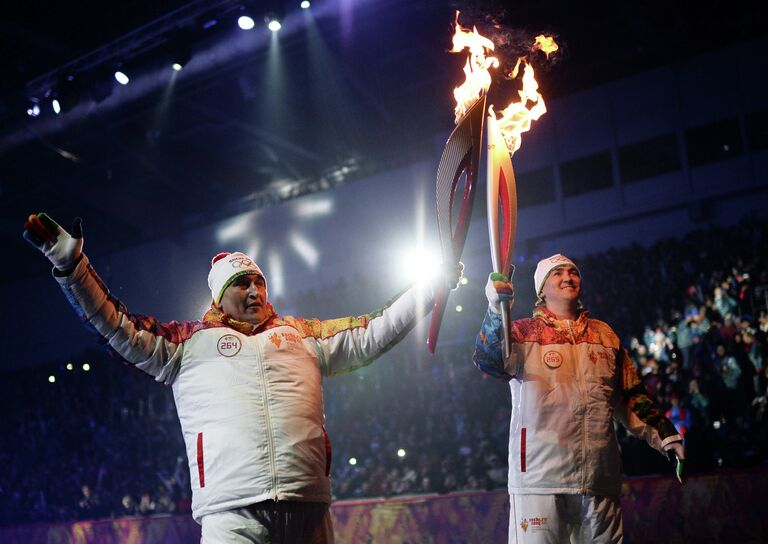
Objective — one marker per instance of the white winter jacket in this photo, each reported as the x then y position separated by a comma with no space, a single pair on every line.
249,400
568,380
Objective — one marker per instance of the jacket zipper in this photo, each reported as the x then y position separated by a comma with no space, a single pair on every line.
268,422
584,414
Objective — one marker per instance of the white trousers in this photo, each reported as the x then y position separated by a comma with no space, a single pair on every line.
557,519
270,522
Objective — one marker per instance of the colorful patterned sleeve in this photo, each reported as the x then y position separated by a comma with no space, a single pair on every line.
142,341
348,343
488,355
637,411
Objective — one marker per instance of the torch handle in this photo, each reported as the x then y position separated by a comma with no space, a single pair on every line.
505,325
441,300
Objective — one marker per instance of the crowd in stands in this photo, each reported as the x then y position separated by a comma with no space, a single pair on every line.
691,311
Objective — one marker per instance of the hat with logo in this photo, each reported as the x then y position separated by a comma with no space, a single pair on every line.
225,268
543,270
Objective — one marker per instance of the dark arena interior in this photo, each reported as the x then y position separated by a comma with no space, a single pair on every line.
307,135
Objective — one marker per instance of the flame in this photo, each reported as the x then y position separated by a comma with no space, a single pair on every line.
476,70
546,44
517,117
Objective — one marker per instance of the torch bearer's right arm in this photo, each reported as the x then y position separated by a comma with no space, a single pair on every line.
491,350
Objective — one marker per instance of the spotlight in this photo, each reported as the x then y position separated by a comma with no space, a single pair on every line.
352,461
56,106
273,21
459,308
401,452
121,78
52,378
464,280
70,366
419,263
245,22
305,4
86,367
180,47
34,109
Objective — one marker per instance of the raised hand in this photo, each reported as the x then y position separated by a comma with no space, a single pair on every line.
499,289
61,248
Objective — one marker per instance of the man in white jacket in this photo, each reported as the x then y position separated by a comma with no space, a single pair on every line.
569,378
246,383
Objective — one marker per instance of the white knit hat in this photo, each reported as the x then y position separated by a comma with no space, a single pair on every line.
546,266
225,268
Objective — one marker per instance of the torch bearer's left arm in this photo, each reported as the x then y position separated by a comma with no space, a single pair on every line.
492,354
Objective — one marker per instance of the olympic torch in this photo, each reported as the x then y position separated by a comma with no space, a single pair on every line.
461,155
504,138
502,211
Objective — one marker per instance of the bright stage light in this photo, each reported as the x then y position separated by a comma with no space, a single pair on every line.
245,22
86,367
56,106
419,264
236,228
274,25
318,207
464,280
33,110
305,249
52,379
275,274
121,78
70,366
305,4
401,452
176,66
352,461
459,308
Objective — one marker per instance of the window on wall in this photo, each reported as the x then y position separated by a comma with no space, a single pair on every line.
757,129
713,142
535,187
649,158
586,174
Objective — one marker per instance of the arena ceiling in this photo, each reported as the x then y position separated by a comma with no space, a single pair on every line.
364,87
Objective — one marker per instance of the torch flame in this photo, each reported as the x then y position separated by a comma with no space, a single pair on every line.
546,44
517,117
476,70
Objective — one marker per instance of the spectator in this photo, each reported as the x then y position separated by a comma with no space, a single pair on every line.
679,415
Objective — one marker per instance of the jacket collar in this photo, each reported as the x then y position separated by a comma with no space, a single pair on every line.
577,326
216,315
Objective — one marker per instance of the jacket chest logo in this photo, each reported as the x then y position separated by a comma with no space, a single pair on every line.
597,355
290,338
229,345
552,359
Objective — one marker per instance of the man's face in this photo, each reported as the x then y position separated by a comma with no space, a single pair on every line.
246,299
562,284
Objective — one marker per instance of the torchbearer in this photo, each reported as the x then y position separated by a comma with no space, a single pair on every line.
247,384
569,378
